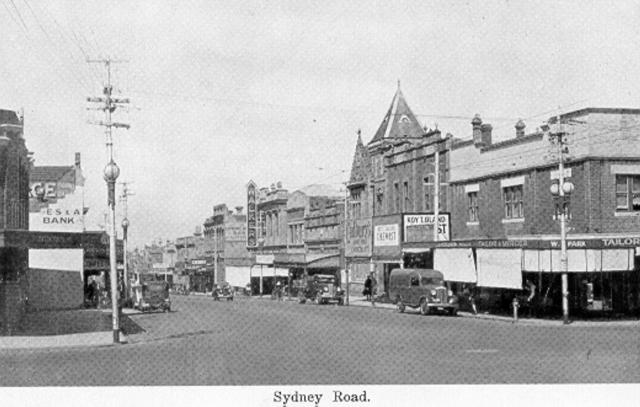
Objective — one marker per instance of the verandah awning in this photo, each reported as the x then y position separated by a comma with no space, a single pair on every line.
456,265
500,268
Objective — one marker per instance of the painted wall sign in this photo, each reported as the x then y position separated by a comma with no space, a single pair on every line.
358,238
419,227
386,235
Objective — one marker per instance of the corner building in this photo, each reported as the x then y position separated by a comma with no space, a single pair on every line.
505,221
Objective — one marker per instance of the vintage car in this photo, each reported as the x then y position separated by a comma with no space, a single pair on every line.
224,292
152,295
323,288
423,289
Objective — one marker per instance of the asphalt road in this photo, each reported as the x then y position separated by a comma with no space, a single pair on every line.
263,342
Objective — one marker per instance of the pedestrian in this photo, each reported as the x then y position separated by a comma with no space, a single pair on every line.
531,288
468,293
374,289
367,288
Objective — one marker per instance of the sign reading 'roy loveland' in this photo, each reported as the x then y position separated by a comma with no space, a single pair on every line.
419,227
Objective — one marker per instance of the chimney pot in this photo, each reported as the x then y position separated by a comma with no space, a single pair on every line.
476,124
520,128
486,134
78,160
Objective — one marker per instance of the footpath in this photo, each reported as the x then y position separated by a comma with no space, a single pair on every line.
362,302
67,328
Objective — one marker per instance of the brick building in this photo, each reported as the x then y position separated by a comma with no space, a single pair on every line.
226,240
296,234
505,220
390,216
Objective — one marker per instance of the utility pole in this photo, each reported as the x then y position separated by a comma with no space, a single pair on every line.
436,193
108,105
125,226
563,190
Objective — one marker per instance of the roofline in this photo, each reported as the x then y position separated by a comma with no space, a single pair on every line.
589,110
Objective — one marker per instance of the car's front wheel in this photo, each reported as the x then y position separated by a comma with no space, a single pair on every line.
424,307
400,305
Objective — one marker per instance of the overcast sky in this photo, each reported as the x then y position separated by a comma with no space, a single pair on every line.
223,92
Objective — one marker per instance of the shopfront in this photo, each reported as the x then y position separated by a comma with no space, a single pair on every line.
387,249
358,251
603,274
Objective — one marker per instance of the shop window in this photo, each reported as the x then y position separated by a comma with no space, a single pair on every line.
472,200
513,207
628,193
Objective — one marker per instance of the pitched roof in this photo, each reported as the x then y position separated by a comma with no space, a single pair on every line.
49,173
399,121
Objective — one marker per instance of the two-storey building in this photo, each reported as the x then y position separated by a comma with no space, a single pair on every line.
505,221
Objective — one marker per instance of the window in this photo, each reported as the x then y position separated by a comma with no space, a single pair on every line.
472,200
513,208
396,190
356,203
407,200
628,192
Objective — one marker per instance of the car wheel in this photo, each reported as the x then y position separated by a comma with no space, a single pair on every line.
341,301
453,312
424,307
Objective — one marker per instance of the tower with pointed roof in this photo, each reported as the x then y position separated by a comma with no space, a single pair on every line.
399,128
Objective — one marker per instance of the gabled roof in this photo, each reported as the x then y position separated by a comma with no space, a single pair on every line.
399,121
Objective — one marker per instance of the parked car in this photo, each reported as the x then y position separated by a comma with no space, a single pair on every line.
152,295
323,288
423,289
224,292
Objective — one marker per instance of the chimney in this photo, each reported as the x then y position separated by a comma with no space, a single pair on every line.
239,210
476,122
279,185
77,160
486,134
520,128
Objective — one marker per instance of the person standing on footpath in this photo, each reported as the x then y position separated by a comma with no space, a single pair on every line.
367,288
374,289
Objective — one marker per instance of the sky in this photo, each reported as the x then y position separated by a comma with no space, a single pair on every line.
223,92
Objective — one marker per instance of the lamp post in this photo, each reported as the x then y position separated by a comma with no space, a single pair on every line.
111,173
563,190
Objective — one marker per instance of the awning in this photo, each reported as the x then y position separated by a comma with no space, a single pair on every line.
332,261
456,265
500,268
416,250
578,260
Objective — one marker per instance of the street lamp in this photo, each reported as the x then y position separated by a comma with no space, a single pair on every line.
563,190
111,173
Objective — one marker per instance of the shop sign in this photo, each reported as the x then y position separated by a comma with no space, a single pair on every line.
419,227
358,238
264,258
252,222
386,235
